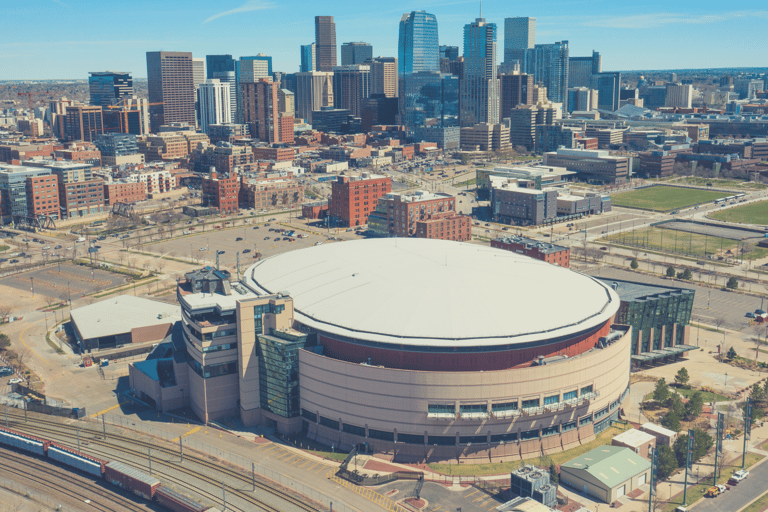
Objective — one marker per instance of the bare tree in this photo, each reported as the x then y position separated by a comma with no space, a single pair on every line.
719,321
49,301
120,256
160,265
22,355
5,311
64,296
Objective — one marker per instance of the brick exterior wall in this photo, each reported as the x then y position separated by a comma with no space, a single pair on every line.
124,193
353,200
43,196
445,226
561,258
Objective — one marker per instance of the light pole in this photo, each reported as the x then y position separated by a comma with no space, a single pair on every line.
32,280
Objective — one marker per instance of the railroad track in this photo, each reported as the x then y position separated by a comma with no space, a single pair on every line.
52,477
95,437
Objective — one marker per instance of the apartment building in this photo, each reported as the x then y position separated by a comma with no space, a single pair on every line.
353,198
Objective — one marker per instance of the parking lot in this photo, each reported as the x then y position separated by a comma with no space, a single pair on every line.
256,239
53,281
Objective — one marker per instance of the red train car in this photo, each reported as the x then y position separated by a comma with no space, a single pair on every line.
131,480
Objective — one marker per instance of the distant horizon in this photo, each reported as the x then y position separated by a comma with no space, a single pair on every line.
653,36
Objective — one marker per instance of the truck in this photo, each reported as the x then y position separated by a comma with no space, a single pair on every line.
716,490
738,476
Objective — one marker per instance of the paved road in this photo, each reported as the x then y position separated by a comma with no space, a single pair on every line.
740,495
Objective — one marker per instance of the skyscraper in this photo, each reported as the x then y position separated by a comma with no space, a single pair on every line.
515,89
418,47
308,58
548,63
581,69
384,76
109,87
218,63
351,85
213,96
261,109
449,52
314,90
607,86
480,86
255,67
229,78
519,35
355,53
325,43
198,70
430,108
170,85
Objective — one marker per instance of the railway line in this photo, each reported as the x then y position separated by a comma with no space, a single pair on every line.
121,443
60,481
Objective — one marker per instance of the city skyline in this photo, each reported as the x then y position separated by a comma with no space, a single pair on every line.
651,36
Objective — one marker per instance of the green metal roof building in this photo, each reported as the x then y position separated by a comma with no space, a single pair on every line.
606,473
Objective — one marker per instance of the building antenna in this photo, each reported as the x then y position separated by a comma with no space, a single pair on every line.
481,8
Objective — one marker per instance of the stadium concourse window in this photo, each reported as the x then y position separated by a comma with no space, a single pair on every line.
570,395
473,408
213,370
442,440
441,408
568,426
217,348
410,438
473,439
529,434
601,413
498,438
504,407
585,390
586,420
381,435
549,400
534,402
326,422
549,431
309,415
353,429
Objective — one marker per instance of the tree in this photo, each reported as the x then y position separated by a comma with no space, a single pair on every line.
5,341
682,377
731,353
757,412
676,405
702,442
634,264
670,272
5,311
661,391
671,421
666,460
694,406
685,274
554,477
732,283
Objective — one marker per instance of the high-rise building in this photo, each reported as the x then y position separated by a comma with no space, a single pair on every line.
418,46
109,87
379,109
215,103
523,120
308,58
261,111
430,108
519,36
253,68
582,99
286,103
677,96
84,122
449,52
198,71
118,149
351,85
607,86
515,89
548,63
129,115
230,79
314,90
355,53
171,88
581,69
325,43
218,63
480,85
384,76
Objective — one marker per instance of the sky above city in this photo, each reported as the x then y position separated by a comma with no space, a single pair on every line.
65,39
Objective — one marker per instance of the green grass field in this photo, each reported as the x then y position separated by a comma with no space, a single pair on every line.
663,198
721,183
669,240
753,213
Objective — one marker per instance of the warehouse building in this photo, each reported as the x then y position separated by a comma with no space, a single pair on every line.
606,473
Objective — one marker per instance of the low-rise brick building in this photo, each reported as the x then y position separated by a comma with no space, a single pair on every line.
277,154
124,192
315,209
221,191
400,215
268,194
550,253
445,226
353,198
43,196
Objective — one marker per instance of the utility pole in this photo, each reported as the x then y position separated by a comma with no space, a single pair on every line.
104,425
253,469
149,460
747,430
652,493
181,449
718,442
688,461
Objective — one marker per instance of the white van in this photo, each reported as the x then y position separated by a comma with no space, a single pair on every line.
81,239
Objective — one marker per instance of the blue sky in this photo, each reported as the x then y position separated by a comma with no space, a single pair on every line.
67,38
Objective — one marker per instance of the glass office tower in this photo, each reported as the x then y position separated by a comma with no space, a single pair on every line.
430,108
418,48
480,85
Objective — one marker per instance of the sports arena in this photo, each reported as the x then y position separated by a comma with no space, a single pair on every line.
437,350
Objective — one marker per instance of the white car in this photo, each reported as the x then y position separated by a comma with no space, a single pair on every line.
739,475
15,380
201,249
318,243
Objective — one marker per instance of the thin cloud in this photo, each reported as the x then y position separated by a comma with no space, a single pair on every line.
250,5
62,4
652,20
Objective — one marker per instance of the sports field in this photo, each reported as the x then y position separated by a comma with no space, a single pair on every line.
669,240
662,198
753,213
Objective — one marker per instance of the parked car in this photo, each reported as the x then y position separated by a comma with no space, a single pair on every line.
266,238
318,243
201,249
750,314
246,251
738,476
13,261
15,380
57,247
239,239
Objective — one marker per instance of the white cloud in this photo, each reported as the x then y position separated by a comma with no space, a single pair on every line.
652,20
250,5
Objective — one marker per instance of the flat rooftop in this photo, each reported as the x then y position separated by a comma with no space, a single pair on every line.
634,437
630,290
120,314
543,247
